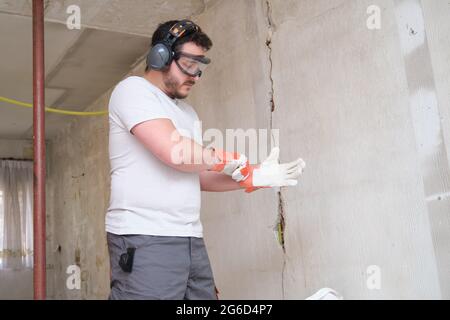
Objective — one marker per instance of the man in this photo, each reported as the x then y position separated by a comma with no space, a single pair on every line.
153,223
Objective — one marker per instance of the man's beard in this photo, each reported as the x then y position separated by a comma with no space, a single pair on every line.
172,86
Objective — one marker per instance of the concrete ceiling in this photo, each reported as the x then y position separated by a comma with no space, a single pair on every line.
82,64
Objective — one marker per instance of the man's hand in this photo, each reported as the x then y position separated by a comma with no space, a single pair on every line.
270,173
228,162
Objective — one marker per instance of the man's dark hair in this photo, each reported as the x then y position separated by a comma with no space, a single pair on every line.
200,38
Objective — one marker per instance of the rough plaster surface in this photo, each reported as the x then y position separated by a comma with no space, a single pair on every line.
343,97
342,101
437,27
17,149
235,93
77,198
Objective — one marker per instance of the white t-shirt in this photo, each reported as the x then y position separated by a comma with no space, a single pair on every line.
147,196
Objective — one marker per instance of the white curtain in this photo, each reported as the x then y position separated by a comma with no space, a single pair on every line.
16,214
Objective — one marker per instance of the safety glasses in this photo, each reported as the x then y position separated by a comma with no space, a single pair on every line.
191,65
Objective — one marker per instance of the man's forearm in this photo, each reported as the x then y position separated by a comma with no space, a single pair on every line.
161,138
217,182
189,156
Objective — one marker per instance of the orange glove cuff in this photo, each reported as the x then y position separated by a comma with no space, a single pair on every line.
224,157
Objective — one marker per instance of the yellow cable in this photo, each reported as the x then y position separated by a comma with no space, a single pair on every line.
60,111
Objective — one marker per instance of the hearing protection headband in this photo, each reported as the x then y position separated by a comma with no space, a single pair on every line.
162,54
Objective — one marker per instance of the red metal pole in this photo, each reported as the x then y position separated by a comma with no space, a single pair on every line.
39,151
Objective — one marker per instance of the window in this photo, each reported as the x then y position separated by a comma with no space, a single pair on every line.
16,214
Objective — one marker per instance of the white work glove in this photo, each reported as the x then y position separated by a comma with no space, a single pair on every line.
271,173
229,162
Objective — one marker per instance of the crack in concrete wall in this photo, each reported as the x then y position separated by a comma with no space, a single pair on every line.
281,227
280,219
270,27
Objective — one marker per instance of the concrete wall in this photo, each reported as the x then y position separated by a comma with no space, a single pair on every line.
358,105
437,27
344,102
16,149
77,198
235,93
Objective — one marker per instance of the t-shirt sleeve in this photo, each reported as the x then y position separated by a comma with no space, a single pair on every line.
133,104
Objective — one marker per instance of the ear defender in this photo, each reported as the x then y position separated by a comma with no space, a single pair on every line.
161,54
